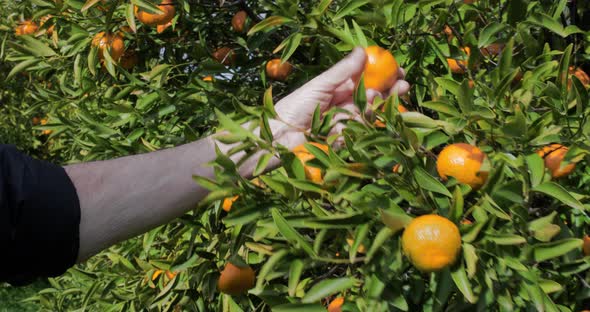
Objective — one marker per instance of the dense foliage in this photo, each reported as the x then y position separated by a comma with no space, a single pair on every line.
308,243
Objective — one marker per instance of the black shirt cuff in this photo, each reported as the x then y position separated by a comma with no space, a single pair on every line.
39,218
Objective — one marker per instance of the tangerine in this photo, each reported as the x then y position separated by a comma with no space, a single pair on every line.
313,174
336,305
553,155
228,202
235,280
239,21
580,74
224,55
431,242
277,70
27,27
154,19
586,247
459,66
112,42
381,69
462,162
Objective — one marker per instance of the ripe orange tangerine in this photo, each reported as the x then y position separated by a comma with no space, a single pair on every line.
493,49
239,21
431,242
235,280
381,69
27,27
313,174
224,55
154,19
277,70
459,66
336,305
580,74
553,155
44,20
112,42
228,202
462,162
208,78
586,247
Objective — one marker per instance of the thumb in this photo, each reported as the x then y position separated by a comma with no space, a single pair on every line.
351,66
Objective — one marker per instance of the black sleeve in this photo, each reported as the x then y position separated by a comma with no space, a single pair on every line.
39,218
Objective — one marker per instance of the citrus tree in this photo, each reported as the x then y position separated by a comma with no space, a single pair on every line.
470,193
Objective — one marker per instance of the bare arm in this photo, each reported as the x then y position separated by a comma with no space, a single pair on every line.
124,197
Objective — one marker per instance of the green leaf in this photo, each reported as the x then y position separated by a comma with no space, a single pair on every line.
269,24
348,8
396,220
428,182
21,66
546,251
37,47
299,307
558,192
462,282
505,239
295,270
327,287
290,233
536,169
489,34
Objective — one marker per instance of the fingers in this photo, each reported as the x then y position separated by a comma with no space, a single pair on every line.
351,67
400,87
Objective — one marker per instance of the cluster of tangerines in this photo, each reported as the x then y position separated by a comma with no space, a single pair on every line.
431,242
460,66
114,43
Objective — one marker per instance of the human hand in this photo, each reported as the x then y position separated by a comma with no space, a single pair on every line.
333,88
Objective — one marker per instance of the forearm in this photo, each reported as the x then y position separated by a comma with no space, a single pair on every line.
124,197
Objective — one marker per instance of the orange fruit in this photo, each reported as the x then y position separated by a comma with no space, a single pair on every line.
27,27
336,305
553,156
228,202
235,280
112,42
586,247
580,74
166,6
277,70
459,66
43,123
224,55
381,69
129,59
466,222
36,121
161,28
171,274
43,20
396,168
156,274
493,49
449,32
311,173
360,249
462,162
469,1
239,21
208,78
431,242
